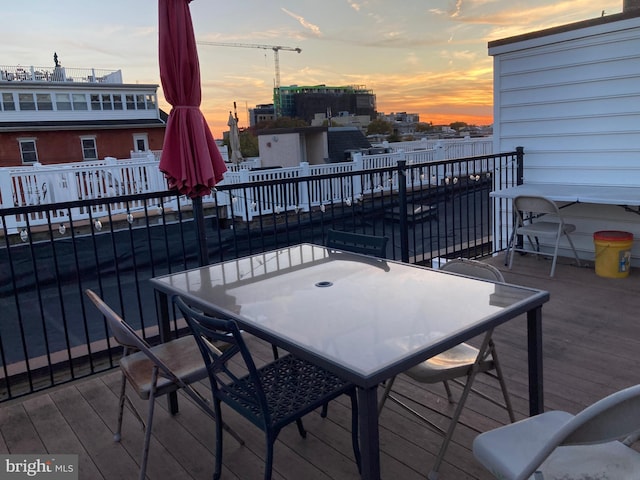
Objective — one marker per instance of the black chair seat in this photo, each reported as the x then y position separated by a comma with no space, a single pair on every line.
292,387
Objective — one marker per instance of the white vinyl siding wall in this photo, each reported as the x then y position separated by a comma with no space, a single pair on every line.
572,100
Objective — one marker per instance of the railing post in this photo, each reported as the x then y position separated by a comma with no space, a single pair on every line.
7,194
247,213
402,199
358,180
303,188
519,165
6,189
439,150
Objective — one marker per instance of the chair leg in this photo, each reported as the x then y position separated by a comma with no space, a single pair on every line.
219,438
123,387
448,390
433,474
555,253
301,430
575,253
503,385
385,395
199,400
508,259
147,432
268,467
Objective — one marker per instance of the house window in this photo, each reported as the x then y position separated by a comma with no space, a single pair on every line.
26,101
95,102
44,101
7,102
151,103
63,101
140,102
140,142
131,105
89,150
106,101
80,101
117,102
28,150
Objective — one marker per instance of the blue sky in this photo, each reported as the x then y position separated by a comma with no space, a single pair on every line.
419,56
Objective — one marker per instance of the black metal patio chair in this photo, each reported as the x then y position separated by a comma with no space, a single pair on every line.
270,397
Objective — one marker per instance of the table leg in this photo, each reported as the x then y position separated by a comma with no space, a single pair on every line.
369,440
164,327
534,345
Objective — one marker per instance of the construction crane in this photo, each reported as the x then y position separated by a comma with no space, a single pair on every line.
276,57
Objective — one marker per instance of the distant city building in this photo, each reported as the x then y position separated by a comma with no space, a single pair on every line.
342,119
306,101
402,117
59,115
403,123
261,113
287,147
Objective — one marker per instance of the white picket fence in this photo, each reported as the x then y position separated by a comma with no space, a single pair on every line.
48,184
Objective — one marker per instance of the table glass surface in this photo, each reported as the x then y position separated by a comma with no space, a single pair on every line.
360,313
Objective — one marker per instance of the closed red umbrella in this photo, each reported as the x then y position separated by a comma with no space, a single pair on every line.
190,157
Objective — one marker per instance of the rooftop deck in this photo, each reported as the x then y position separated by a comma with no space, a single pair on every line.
591,344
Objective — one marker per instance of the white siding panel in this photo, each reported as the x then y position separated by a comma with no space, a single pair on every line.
574,73
602,49
573,142
571,108
614,85
576,125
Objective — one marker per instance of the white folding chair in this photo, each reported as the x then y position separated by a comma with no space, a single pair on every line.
154,371
557,445
528,213
460,362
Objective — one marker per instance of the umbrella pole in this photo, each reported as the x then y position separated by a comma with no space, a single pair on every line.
201,235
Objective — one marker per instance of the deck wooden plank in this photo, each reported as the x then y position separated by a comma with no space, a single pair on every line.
112,458
56,434
19,433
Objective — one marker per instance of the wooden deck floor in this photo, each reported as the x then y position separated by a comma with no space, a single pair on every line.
591,344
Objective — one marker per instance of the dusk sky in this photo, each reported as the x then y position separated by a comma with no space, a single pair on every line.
418,56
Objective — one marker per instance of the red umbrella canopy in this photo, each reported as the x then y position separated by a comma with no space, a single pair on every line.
190,157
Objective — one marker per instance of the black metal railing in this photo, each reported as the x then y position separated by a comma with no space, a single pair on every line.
49,333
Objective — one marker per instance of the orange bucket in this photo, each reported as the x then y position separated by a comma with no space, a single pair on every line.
613,253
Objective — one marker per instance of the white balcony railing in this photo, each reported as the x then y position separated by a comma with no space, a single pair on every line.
41,184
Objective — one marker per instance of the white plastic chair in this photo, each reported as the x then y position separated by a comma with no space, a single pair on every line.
460,362
557,445
529,210
154,371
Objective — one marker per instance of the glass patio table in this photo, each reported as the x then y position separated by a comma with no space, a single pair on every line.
365,319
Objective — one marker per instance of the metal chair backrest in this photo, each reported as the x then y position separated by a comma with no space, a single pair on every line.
531,204
612,418
473,268
358,243
208,331
126,336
